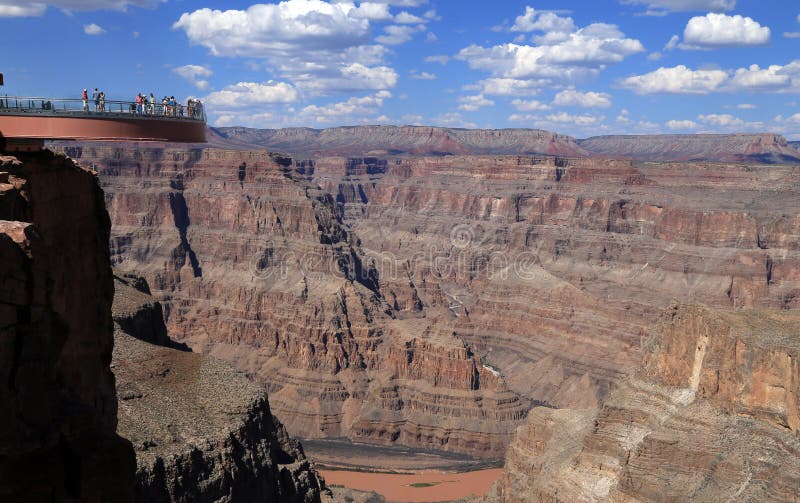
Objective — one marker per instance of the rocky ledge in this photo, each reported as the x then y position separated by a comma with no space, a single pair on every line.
202,431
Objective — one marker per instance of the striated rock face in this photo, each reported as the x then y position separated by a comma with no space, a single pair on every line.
58,438
395,140
710,416
253,264
202,430
553,269
759,148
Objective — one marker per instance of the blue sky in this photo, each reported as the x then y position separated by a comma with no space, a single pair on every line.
577,67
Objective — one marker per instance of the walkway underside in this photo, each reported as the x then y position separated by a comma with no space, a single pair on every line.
101,128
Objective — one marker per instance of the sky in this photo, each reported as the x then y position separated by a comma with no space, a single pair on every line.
582,68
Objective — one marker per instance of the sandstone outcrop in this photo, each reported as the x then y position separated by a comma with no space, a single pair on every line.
202,430
710,416
748,147
58,401
253,264
394,140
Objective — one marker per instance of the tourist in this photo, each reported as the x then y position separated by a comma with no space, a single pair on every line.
151,104
96,99
102,99
172,105
164,106
138,103
85,98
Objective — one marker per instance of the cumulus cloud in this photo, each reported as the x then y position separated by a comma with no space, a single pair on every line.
321,47
720,30
565,59
662,7
93,29
421,75
355,110
555,27
682,125
573,98
248,94
683,80
724,120
26,8
473,103
676,80
529,105
579,120
194,74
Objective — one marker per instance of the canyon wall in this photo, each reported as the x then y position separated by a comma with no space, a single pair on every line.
394,140
202,430
743,147
711,415
253,264
58,401
555,268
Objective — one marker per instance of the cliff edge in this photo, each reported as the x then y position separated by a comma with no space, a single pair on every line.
58,405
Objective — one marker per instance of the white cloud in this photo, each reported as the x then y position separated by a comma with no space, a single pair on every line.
720,30
452,120
511,87
373,11
422,75
746,106
355,110
248,94
93,29
683,80
26,8
529,105
578,120
682,124
320,47
431,37
724,120
755,78
660,7
194,74
576,56
473,103
654,56
398,34
676,80
407,18
573,98
402,3
441,59
548,22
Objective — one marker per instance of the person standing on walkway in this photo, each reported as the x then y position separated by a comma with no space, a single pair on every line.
96,99
85,98
102,98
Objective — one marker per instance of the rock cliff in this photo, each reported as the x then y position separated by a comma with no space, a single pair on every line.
202,430
395,140
758,148
710,416
58,401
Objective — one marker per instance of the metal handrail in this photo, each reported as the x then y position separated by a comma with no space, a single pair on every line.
77,107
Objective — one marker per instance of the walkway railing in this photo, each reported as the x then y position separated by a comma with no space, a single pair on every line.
16,105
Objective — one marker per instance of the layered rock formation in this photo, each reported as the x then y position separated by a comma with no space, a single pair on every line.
202,430
758,148
58,439
394,140
253,264
710,416
555,268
